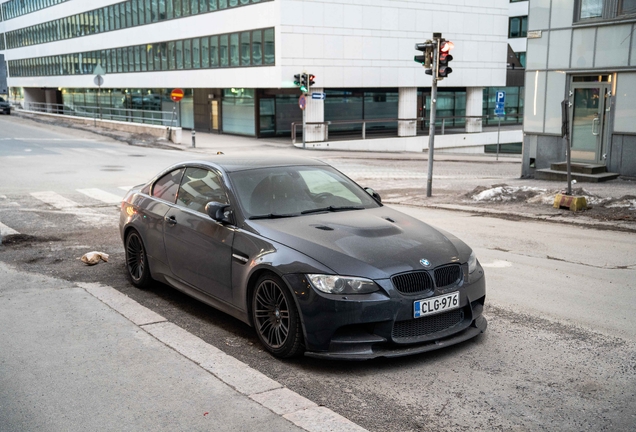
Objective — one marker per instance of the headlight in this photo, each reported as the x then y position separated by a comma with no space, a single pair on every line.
472,262
342,284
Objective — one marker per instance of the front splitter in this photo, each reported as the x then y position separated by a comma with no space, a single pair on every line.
476,328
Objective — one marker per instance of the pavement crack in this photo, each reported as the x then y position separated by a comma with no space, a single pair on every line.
623,267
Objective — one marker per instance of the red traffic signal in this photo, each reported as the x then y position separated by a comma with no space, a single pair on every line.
311,79
444,57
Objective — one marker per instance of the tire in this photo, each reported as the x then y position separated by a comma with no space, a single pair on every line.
137,260
275,317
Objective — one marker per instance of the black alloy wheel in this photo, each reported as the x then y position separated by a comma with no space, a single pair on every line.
137,261
276,317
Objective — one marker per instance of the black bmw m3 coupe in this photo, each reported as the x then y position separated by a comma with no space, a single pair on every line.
314,262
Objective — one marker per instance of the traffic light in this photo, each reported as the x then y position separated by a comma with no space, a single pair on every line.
311,80
297,80
426,59
444,58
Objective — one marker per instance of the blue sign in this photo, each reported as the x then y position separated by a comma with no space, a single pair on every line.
320,96
499,112
501,97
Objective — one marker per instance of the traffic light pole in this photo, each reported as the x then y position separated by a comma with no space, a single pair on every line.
431,129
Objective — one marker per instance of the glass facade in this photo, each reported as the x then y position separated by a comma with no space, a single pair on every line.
238,111
160,56
1,41
119,16
16,8
123,105
513,106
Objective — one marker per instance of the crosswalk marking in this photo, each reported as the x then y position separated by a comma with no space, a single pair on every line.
126,188
101,195
55,200
5,230
68,206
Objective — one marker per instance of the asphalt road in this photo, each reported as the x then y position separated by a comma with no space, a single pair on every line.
559,353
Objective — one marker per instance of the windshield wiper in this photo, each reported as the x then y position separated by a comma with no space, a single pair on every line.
274,216
332,209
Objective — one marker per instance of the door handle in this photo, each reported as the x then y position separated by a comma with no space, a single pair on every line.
171,220
595,126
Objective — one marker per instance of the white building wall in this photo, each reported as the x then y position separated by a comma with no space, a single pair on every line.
371,43
345,44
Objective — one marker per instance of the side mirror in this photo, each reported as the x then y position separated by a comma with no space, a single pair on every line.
216,211
374,194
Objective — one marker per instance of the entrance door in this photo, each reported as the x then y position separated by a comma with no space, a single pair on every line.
215,116
590,101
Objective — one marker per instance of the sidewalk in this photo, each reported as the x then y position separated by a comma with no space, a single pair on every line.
93,359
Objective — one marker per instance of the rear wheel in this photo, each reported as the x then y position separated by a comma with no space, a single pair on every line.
276,317
137,260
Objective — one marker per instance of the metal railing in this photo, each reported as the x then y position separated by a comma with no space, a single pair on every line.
441,123
163,118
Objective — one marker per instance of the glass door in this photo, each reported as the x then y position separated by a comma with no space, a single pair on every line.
214,115
588,114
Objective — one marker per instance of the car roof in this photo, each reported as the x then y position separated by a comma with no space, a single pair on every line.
242,163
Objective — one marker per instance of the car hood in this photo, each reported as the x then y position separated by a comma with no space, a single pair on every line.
373,243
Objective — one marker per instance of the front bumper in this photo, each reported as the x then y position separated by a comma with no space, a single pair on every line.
381,324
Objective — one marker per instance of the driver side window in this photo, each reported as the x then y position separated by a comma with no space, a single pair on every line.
199,187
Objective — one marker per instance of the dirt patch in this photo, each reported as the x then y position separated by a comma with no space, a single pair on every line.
25,240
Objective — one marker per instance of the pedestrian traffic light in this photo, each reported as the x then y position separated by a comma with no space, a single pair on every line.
426,59
311,80
444,58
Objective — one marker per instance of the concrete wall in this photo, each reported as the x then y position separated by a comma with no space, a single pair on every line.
622,155
543,149
472,143
134,128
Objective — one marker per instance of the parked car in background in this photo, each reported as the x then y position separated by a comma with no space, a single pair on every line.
5,107
313,261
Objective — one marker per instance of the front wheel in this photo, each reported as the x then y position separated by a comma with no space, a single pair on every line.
276,317
137,260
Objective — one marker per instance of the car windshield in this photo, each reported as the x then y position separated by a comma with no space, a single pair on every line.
297,190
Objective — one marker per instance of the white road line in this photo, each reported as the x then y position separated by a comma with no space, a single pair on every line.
56,200
238,375
5,230
497,264
68,206
126,188
101,195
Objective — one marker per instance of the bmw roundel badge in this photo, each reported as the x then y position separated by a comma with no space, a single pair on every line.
425,262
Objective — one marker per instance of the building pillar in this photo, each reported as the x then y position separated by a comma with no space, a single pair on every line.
315,112
474,107
407,109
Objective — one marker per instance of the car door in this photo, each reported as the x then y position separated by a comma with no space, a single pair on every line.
199,249
153,209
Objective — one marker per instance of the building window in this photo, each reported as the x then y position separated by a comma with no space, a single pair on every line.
591,9
126,14
522,58
245,49
628,6
518,27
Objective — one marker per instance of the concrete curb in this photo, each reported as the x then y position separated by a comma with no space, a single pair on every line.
241,377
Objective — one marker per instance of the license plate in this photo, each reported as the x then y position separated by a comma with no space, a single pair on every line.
435,305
